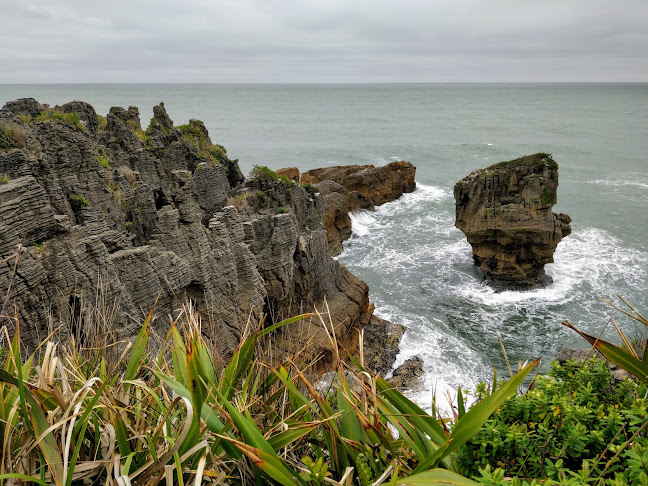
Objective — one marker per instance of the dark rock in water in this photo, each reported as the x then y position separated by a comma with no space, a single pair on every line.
381,340
354,187
505,212
153,210
409,375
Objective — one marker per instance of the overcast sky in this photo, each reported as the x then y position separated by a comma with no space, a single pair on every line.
332,41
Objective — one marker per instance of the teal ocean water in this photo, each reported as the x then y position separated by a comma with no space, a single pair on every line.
418,266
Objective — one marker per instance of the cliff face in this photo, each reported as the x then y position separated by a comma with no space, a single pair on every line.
505,212
107,210
354,187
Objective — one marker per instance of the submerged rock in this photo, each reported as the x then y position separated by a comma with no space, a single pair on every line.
354,187
505,212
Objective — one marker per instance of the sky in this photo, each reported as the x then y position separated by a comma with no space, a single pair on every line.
332,41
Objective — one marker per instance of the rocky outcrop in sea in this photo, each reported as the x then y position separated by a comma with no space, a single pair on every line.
106,210
505,212
355,187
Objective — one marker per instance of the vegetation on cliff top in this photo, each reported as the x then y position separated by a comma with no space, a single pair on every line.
527,160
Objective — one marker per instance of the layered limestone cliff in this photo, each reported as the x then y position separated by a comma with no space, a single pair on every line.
354,187
106,209
505,212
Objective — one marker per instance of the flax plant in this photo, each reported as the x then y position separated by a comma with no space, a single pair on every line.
179,418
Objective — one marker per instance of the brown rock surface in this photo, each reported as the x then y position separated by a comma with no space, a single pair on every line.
291,173
505,212
146,211
354,187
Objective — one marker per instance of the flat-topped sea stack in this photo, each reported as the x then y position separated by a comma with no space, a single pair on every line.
505,212
353,187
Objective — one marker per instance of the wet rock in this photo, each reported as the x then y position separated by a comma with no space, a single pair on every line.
505,212
409,375
381,340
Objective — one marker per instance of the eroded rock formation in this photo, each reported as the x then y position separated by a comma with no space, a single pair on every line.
354,187
102,202
505,212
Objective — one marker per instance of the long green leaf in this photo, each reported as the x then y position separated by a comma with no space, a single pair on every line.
268,463
24,477
39,425
617,355
139,348
254,438
436,477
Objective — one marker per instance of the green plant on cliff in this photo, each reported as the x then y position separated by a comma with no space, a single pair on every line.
547,197
196,135
72,118
79,200
263,173
102,161
4,178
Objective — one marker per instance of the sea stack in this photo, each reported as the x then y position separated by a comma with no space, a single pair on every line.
505,212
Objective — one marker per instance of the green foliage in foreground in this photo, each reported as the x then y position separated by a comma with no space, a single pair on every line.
76,417
103,415
569,425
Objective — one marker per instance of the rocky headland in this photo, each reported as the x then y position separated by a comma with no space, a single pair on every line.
505,212
355,187
104,209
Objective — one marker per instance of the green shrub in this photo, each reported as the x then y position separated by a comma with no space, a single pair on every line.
4,179
79,200
262,196
103,161
547,197
310,187
263,173
281,210
571,415
72,118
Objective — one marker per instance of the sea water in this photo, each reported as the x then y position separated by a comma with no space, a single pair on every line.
417,264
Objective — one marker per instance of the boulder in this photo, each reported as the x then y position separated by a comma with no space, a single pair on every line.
409,375
381,340
291,173
505,212
356,187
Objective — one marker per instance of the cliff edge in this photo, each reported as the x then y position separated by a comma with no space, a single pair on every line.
106,210
505,212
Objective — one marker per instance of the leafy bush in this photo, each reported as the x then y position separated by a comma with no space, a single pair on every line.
4,179
263,173
575,413
79,200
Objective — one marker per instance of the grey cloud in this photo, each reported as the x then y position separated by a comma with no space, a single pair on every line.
323,41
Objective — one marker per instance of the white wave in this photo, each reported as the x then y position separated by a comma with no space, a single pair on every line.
619,183
361,222
589,255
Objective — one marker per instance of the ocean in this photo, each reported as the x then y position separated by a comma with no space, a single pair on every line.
417,264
